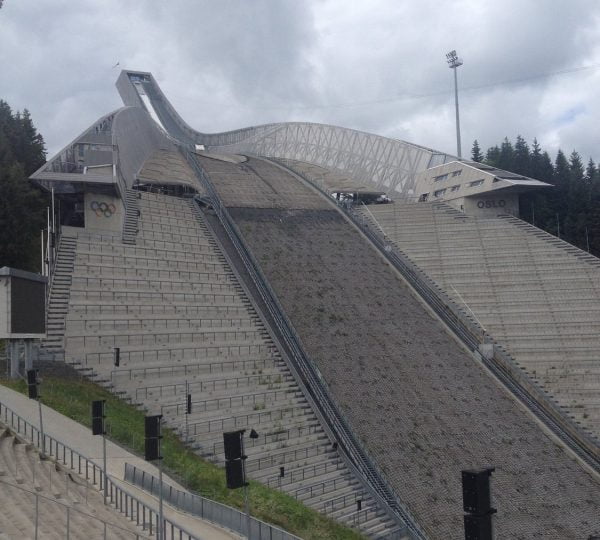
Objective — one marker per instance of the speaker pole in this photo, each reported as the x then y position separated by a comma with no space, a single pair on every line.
34,393
42,427
105,470
246,497
161,535
188,411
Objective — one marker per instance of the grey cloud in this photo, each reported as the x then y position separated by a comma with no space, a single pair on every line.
229,64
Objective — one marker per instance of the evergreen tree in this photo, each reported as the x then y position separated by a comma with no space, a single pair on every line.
492,156
521,159
562,174
21,219
506,156
546,169
476,154
573,204
22,206
577,206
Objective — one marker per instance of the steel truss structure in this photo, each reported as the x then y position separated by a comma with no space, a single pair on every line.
383,163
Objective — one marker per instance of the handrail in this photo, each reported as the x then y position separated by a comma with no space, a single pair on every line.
210,510
502,364
70,509
308,375
258,363
123,500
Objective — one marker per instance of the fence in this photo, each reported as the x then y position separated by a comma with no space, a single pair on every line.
205,508
47,514
142,514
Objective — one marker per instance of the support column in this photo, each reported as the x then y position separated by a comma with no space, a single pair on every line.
13,350
28,345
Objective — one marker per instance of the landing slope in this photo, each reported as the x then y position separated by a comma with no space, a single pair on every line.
421,404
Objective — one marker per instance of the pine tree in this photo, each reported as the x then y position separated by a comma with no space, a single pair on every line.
521,159
21,219
492,156
577,207
476,154
561,174
21,205
506,156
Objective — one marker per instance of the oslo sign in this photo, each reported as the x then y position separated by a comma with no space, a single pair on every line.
501,203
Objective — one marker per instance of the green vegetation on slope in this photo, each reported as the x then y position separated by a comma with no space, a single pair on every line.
125,425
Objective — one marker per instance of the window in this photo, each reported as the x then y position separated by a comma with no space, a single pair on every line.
457,173
476,183
424,197
439,192
440,177
455,188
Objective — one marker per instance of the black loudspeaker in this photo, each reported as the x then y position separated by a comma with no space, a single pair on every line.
32,376
189,403
98,409
98,417
97,426
117,356
151,449
476,491
153,437
152,426
233,444
32,383
478,527
234,472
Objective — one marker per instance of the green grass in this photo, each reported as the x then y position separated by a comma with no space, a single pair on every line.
125,425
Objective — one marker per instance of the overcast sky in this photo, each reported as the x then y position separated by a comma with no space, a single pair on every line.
376,65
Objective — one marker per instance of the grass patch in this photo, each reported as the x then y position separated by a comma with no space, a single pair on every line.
125,425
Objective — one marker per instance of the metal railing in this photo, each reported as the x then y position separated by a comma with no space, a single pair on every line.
45,512
257,399
307,374
225,383
212,450
205,508
298,475
196,368
178,352
123,501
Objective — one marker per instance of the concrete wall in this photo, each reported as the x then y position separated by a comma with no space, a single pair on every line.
458,174
137,137
490,204
103,212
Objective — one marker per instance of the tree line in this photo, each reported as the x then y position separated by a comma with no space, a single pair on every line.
570,209
22,206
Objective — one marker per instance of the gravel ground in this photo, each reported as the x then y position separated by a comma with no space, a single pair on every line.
421,404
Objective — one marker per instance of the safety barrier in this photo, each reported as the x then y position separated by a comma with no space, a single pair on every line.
205,508
46,510
123,501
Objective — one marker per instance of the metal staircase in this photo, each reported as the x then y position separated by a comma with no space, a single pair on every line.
52,347
132,213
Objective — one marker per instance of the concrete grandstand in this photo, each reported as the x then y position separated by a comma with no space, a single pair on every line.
377,349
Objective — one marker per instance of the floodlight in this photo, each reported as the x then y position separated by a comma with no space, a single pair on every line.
453,62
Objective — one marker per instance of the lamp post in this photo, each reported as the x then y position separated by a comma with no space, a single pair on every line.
453,62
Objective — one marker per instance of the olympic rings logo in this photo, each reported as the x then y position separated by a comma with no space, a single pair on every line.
103,209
